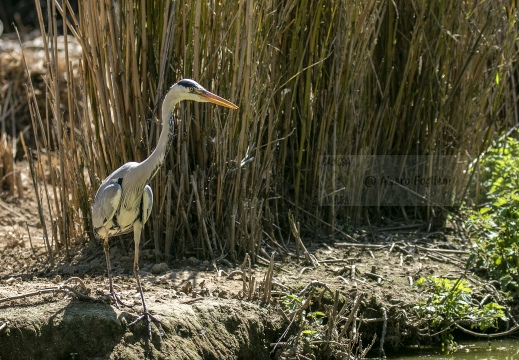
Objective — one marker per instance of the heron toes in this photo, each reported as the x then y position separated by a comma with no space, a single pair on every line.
117,300
146,316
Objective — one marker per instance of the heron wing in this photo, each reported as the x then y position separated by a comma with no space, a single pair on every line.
147,203
105,204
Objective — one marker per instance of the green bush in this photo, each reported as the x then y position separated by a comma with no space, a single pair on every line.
499,169
451,301
494,227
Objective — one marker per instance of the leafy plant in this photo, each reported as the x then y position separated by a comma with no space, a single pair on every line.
499,169
495,227
290,302
451,301
311,322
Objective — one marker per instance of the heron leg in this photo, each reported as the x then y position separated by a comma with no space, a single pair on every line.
145,314
117,301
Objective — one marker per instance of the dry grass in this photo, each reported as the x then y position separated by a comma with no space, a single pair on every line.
312,78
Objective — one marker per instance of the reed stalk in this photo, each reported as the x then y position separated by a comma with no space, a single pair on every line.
312,79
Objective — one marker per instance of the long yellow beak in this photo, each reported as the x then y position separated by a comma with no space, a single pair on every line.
215,99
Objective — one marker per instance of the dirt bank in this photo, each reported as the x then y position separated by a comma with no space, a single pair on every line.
205,329
215,309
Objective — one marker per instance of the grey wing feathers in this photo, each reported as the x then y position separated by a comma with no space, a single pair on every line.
108,196
147,203
105,204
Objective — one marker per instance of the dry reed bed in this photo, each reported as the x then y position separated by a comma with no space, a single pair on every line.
312,78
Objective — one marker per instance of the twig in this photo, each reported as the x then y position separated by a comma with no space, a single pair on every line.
448,251
371,320
382,353
189,302
62,288
343,279
342,270
448,328
334,319
34,293
374,276
353,314
368,349
201,216
235,272
489,336
280,285
314,284
66,289
30,242
40,209
362,246
310,259
390,249
444,259
277,267
335,261
268,280
303,270
252,286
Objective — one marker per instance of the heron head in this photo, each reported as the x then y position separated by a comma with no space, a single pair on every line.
188,89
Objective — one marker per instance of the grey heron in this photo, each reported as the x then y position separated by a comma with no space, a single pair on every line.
124,200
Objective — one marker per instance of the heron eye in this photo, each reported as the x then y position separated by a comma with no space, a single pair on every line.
191,90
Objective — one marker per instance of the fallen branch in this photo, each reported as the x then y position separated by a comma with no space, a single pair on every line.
34,293
64,288
267,262
361,246
235,272
309,258
375,277
447,251
189,302
334,261
67,290
353,314
488,336
382,353
313,284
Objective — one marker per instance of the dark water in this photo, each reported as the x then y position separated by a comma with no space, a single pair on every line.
495,350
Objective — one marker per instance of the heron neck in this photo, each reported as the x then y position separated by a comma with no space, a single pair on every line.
153,162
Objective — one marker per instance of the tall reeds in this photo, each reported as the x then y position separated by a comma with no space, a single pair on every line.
312,78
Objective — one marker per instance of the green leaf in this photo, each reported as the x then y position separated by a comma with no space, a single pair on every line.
484,210
309,332
499,202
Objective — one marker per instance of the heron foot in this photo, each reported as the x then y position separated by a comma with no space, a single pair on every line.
149,319
117,300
